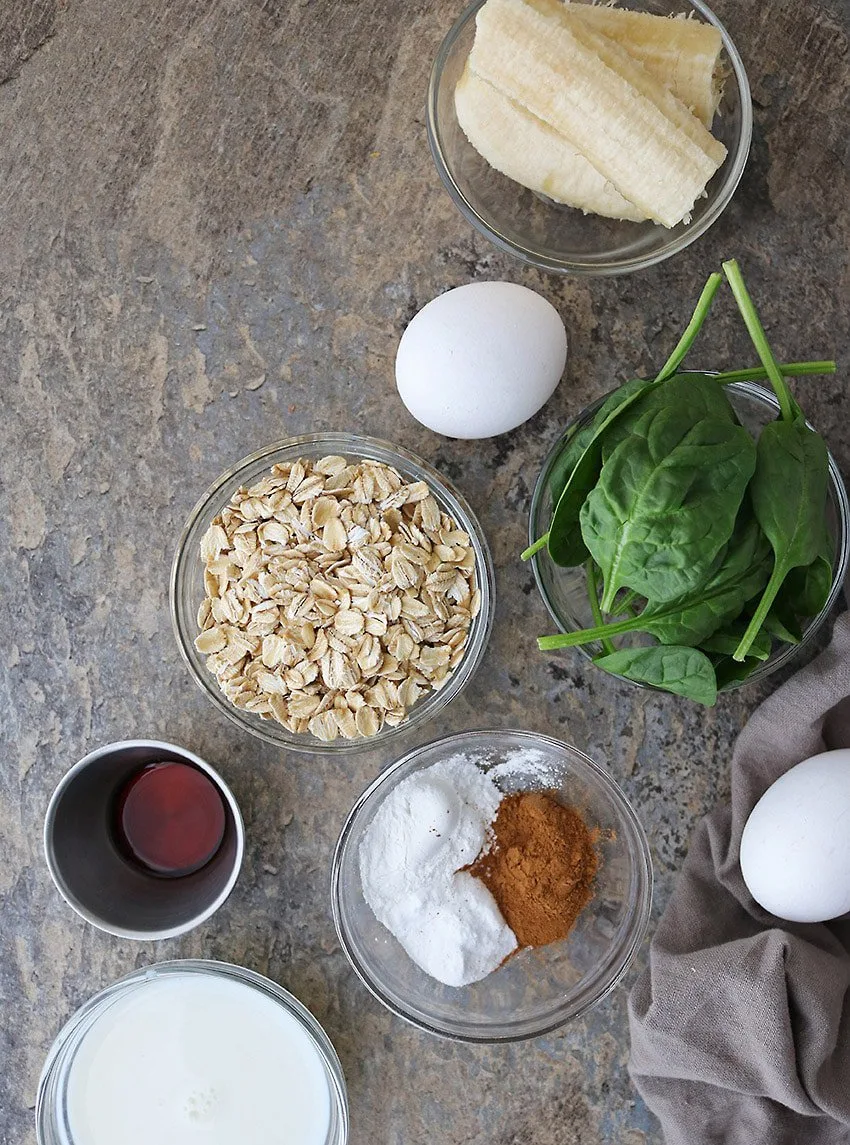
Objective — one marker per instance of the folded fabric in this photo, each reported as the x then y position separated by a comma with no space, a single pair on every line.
740,1024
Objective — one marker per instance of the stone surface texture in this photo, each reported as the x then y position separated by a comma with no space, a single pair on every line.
216,218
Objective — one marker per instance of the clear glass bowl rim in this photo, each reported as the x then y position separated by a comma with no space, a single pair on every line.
788,652
736,164
640,907
74,1030
185,626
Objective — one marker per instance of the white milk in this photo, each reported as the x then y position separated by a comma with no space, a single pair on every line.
197,1059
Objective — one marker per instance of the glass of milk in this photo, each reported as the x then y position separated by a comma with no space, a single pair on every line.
192,1052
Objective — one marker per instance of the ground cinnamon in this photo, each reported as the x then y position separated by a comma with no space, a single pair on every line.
540,867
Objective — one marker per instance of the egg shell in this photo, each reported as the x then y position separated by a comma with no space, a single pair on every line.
481,359
795,849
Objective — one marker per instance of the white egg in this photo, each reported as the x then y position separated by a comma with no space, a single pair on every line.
795,849
481,359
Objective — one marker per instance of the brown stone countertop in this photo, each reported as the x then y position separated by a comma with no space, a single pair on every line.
216,218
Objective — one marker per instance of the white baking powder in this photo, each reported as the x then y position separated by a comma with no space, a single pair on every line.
431,825
524,769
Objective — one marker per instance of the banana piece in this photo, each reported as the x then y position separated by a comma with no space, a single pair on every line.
682,54
628,126
530,152
624,64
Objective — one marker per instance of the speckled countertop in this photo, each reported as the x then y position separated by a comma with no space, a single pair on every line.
216,218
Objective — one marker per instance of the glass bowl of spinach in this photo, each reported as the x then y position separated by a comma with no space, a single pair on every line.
690,532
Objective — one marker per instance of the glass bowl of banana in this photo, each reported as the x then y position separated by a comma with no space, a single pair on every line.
589,139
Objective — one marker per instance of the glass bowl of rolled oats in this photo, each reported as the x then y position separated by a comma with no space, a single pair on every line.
331,591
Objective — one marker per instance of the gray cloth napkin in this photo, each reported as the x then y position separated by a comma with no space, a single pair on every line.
740,1024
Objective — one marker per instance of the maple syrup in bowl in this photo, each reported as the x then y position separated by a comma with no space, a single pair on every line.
143,839
169,819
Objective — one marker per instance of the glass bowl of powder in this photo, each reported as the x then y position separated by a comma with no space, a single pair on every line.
426,844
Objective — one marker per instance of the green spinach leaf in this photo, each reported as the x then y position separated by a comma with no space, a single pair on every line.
564,538
576,443
684,671
729,672
781,624
741,571
724,642
806,590
574,447
703,395
566,546
666,501
788,493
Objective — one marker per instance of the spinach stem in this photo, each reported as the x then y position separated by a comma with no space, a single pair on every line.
625,605
754,627
593,594
759,338
643,622
693,327
588,635
539,544
787,369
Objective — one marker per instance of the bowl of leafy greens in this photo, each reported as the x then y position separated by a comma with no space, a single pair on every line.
690,532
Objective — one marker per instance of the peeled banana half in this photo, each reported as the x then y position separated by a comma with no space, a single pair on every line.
570,100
